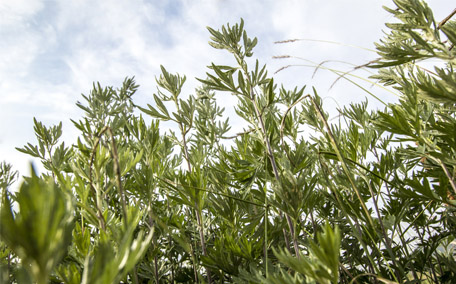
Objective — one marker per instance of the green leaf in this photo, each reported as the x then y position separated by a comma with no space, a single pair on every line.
161,106
450,31
153,112
40,232
31,150
110,264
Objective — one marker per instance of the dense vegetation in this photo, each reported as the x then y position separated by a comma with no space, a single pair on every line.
292,199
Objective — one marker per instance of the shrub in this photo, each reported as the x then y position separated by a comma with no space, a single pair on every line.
372,201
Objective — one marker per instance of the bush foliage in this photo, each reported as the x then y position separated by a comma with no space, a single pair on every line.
292,199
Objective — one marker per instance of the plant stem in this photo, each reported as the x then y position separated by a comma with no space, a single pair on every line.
156,269
293,235
443,22
97,195
184,132
341,158
448,174
118,177
203,241
354,225
195,270
273,163
266,234
386,239
151,224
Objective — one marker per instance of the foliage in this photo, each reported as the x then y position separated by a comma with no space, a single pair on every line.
41,230
291,199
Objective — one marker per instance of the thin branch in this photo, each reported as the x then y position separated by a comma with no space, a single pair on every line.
448,174
341,159
115,158
273,162
174,184
282,124
238,134
322,41
117,173
99,211
338,72
443,22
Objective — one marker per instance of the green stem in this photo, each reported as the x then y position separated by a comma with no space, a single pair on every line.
273,162
341,158
386,239
117,172
184,132
266,235
203,241
115,158
356,229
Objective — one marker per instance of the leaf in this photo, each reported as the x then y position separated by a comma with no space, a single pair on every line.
30,150
322,265
153,112
41,230
109,264
161,106
450,31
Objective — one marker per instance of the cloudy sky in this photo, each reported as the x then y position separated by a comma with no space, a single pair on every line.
52,51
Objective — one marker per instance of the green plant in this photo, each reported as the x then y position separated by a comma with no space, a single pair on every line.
40,232
294,198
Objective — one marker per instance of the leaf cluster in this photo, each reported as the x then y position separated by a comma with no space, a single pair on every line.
292,198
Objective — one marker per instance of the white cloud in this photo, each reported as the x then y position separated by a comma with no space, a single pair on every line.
17,12
52,51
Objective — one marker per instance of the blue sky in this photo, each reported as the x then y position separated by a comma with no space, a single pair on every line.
52,51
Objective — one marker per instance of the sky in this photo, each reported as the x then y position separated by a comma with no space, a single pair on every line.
52,51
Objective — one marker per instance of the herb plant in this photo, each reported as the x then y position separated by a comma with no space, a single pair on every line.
293,198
